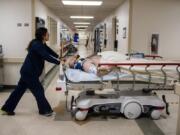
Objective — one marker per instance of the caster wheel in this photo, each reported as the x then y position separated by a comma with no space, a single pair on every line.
147,91
73,112
80,115
155,114
72,102
132,110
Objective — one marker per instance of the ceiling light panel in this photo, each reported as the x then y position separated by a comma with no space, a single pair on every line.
81,26
82,3
82,17
85,23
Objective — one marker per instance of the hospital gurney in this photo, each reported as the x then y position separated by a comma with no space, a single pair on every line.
130,103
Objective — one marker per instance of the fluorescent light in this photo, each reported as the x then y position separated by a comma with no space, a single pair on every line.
64,29
81,26
82,3
82,17
86,23
81,29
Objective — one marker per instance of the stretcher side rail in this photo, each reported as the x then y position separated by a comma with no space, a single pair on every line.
140,64
153,56
147,65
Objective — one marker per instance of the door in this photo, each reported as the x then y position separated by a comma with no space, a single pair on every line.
114,33
97,47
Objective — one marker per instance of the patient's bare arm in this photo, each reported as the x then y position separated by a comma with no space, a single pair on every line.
87,65
90,65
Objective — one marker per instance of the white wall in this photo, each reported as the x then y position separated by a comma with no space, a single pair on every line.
122,14
13,38
156,16
110,42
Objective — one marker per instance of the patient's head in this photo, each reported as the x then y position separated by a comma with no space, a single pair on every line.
70,61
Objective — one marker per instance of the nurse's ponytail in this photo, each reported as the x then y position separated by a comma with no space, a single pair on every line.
40,33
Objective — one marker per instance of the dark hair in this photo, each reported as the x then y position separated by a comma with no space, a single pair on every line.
40,33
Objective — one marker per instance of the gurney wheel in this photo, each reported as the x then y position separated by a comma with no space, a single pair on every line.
72,102
132,110
147,91
155,114
80,115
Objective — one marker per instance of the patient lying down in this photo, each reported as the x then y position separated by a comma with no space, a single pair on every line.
89,64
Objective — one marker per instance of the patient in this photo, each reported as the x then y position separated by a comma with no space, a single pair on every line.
89,64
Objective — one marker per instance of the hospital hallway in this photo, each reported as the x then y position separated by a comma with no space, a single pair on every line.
27,121
106,67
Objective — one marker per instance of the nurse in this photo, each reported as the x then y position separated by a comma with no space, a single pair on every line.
31,70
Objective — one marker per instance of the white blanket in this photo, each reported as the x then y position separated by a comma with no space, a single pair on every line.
116,57
111,56
75,75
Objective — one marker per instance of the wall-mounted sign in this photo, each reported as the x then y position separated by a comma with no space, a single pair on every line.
124,32
154,43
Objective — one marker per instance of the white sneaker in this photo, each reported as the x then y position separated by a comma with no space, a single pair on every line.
48,114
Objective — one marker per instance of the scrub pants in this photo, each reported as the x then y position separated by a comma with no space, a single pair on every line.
37,90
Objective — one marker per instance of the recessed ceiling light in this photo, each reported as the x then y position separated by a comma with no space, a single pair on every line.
81,29
82,17
82,3
86,23
64,29
81,26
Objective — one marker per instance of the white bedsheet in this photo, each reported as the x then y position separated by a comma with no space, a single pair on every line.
75,75
155,70
112,56
116,57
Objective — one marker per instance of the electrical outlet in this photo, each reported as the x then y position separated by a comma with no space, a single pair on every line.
19,24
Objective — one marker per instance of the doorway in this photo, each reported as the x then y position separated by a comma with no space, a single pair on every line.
114,33
97,47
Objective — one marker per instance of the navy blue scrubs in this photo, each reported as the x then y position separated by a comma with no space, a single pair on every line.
30,72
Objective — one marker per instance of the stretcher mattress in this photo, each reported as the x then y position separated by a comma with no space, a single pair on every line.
75,75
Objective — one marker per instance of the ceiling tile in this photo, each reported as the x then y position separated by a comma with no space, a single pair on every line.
64,12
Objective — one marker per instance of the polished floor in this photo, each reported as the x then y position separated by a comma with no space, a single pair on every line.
28,122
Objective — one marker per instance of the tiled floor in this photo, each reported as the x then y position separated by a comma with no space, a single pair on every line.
28,122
